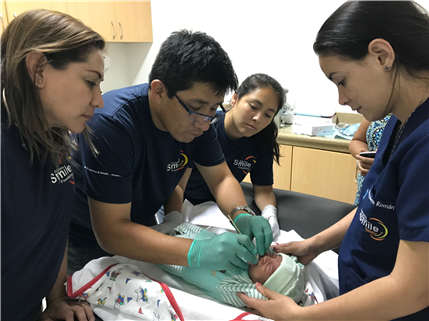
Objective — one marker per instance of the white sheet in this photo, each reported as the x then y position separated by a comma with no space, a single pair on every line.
321,274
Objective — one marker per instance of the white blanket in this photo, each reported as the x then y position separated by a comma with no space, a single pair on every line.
321,274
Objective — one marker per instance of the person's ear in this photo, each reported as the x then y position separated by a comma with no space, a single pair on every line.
158,90
234,99
36,63
381,50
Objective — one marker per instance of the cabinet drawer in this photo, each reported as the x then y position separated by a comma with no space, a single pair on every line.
324,174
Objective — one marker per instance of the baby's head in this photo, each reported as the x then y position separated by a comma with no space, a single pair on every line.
281,273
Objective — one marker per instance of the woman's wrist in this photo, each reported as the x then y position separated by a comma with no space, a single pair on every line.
318,244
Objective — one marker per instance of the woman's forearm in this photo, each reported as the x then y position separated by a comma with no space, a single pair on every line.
401,293
264,196
58,290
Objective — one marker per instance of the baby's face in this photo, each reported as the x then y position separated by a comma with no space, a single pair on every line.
265,267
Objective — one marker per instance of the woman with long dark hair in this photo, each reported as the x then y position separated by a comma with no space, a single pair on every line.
377,54
247,134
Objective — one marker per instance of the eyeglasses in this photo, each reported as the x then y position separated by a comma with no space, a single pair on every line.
206,118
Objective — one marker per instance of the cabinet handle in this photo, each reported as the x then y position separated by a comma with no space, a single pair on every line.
122,31
114,31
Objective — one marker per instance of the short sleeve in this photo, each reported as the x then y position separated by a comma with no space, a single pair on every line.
413,201
208,152
108,175
262,173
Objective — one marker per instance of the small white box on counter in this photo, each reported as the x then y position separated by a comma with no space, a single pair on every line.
313,126
313,129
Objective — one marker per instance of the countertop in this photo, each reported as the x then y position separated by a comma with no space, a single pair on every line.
287,137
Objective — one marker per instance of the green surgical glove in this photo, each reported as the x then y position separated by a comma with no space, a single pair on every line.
223,252
256,227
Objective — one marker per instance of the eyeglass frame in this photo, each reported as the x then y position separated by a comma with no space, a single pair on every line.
207,118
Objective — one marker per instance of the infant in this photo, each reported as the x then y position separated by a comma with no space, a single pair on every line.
278,272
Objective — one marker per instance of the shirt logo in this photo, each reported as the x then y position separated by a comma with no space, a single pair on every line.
62,174
376,228
181,163
245,165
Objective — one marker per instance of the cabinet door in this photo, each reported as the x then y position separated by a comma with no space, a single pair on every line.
15,8
282,173
324,174
98,15
134,19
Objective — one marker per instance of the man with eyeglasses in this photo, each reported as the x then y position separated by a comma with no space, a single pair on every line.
145,136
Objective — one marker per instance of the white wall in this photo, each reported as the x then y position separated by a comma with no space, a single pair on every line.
271,36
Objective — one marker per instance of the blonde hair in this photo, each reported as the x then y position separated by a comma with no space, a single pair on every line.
62,40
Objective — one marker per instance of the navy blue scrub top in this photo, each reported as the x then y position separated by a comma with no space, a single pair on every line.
394,205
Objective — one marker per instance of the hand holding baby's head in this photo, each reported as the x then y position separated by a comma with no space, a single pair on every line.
279,272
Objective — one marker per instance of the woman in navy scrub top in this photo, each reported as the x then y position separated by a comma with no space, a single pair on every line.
377,54
51,69
247,134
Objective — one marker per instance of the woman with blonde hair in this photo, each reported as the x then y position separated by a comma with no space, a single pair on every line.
51,69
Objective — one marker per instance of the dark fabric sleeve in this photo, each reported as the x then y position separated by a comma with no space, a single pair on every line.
262,172
208,152
412,202
108,175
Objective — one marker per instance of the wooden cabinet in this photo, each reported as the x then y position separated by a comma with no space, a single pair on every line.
134,20
15,8
100,16
324,173
116,21
282,173
316,172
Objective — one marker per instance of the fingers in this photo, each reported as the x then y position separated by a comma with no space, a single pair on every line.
237,265
261,229
68,310
362,170
246,250
285,248
263,241
88,314
259,306
69,315
79,310
266,292
252,303
269,237
366,162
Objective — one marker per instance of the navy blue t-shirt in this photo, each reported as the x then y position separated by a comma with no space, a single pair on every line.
36,208
137,162
394,206
243,156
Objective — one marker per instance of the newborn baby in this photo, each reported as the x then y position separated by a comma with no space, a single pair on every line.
278,272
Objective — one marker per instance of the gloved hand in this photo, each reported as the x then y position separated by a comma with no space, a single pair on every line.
256,227
223,252
171,221
270,213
